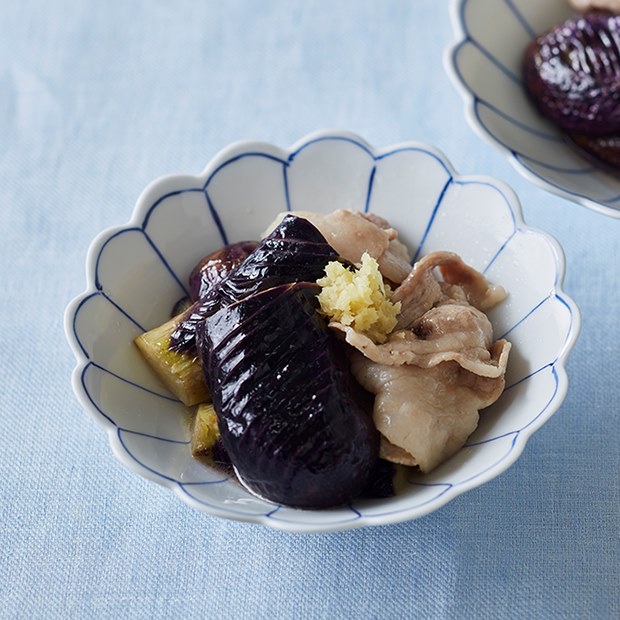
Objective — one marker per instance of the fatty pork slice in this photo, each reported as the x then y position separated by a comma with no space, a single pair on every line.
352,233
439,368
422,290
449,332
425,415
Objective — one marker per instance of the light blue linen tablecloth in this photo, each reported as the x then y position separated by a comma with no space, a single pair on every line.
99,98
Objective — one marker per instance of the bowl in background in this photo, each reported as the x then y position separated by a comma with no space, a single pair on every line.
485,64
135,273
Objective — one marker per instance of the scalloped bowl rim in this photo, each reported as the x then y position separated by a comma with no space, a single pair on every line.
244,146
470,115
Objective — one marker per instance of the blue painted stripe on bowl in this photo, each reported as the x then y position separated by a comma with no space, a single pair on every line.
490,467
228,162
503,68
512,215
224,508
415,506
294,154
470,38
167,265
269,514
102,294
571,320
158,253
158,437
528,376
74,321
287,195
298,521
431,219
121,310
205,483
559,168
414,149
90,398
455,485
532,420
499,251
371,180
491,439
520,124
145,223
235,158
551,295
477,99
354,511
178,192
216,219
495,188
124,231
520,158
136,385
119,434
526,26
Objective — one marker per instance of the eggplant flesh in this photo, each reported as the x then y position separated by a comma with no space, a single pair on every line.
291,416
295,251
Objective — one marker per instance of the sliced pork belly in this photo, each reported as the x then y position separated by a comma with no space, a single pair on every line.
425,415
351,234
450,332
438,368
422,290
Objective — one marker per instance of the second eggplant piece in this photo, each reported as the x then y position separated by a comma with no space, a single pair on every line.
295,251
289,411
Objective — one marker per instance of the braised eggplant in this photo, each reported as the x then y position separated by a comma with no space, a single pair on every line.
291,416
214,267
571,73
294,252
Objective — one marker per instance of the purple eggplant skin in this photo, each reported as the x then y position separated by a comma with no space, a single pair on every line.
214,267
381,482
289,412
294,252
572,73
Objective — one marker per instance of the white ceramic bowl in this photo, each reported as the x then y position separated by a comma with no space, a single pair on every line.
136,273
486,65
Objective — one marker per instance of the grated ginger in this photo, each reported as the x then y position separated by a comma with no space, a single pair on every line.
358,299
